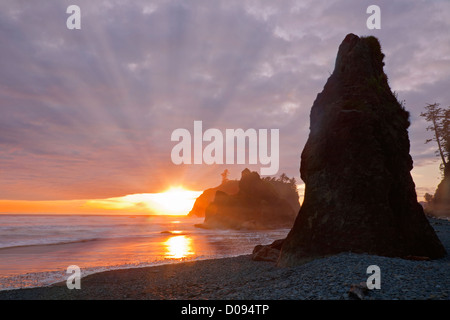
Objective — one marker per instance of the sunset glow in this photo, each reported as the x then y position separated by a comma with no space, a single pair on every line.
175,201
179,247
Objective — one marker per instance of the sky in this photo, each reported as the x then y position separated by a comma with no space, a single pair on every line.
89,113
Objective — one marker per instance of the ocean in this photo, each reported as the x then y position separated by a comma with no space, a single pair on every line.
36,250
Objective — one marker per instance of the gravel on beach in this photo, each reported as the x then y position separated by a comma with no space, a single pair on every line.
240,278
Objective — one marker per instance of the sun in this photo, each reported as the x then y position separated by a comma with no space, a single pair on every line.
175,201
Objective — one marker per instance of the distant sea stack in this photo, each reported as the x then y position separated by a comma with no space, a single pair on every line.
441,201
202,202
359,193
259,204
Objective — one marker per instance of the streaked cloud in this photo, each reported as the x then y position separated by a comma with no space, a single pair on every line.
89,113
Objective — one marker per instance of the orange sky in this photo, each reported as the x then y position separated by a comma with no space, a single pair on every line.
175,201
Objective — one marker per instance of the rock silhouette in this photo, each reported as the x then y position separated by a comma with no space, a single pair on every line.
359,193
441,201
269,252
257,205
203,201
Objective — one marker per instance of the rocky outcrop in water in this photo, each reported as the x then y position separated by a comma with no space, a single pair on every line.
257,205
204,200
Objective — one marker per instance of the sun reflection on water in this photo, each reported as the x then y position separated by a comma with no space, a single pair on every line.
179,247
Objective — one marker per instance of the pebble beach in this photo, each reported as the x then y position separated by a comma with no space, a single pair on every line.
240,278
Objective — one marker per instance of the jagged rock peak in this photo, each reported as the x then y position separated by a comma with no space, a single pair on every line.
359,193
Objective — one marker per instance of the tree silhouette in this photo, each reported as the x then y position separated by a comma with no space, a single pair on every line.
283,178
224,175
428,198
439,119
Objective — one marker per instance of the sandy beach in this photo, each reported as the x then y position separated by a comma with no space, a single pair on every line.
239,278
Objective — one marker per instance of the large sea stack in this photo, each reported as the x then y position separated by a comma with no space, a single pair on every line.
359,194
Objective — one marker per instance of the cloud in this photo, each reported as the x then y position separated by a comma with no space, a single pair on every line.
89,113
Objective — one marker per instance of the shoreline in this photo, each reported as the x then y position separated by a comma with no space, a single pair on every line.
103,269
102,244
240,278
